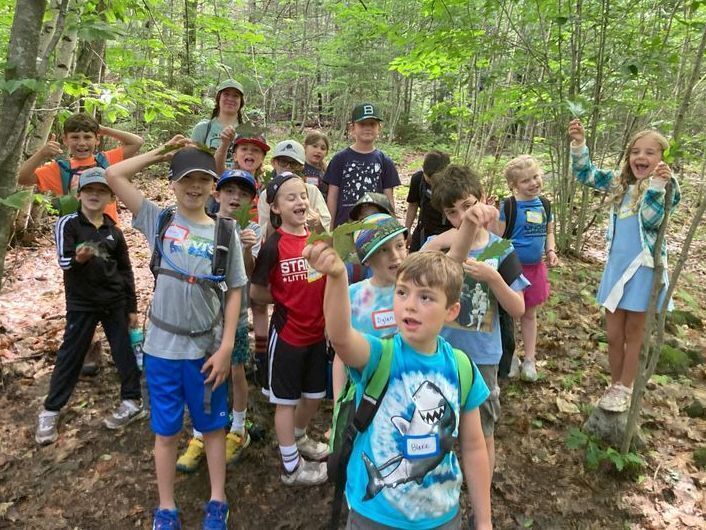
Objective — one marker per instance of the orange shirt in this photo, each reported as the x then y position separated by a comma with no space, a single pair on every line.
49,177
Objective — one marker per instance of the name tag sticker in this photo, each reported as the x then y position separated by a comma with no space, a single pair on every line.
421,446
176,233
534,217
384,319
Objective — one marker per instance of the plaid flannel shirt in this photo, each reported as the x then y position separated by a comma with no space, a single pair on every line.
651,202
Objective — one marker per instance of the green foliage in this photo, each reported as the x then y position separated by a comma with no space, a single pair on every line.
17,200
244,215
342,238
597,453
672,361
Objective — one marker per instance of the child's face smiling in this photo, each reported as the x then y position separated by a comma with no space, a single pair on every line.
455,213
81,144
366,131
192,190
645,154
291,204
249,157
387,260
94,198
420,313
528,185
315,152
232,196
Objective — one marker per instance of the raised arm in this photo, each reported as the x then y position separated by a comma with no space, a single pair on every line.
349,344
131,142
26,175
227,136
478,215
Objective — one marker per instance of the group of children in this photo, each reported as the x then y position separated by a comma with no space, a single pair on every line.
420,295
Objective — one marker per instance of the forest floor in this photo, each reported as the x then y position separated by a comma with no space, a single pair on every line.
95,478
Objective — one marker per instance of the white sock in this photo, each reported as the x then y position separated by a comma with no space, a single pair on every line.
198,434
238,424
290,457
298,433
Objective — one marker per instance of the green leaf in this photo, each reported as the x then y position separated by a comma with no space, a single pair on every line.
495,250
17,200
248,130
671,153
67,204
150,115
575,108
243,214
319,236
343,238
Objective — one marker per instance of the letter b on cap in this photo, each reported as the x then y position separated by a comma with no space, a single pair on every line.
368,110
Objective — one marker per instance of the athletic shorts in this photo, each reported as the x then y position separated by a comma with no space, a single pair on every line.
295,371
172,384
538,292
490,408
242,346
357,521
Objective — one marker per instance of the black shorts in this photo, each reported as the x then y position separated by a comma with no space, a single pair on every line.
295,371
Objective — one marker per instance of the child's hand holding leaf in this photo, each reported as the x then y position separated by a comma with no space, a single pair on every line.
248,238
172,146
662,172
243,215
324,259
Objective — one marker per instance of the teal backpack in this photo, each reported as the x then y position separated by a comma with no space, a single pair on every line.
68,203
349,420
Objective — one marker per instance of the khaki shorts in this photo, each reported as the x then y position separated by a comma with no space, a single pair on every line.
490,408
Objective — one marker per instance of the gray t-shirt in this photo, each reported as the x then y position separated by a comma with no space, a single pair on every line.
185,305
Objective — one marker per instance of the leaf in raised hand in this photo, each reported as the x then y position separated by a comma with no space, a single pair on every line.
243,214
17,200
318,236
168,148
575,108
248,130
495,250
343,238
670,154
204,148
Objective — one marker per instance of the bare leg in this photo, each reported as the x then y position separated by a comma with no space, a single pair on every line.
490,446
615,332
240,387
634,329
284,425
306,409
528,324
165,453
259,319
215,445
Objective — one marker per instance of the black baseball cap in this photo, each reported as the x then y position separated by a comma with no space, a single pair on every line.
365,111
275,184
189,160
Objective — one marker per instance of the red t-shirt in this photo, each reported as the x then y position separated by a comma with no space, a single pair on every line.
298,316
49,177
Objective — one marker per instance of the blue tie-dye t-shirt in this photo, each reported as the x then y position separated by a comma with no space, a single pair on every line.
397,474
371,308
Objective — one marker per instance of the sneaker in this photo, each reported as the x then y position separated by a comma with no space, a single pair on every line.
46,427
311,449
235,443
216,517
616,398
166,520
189,461
529,371
129,411
514,367
306,474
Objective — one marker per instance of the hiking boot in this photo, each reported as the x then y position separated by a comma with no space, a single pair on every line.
529,371
92,362
46,427
235,443
306,474
216,517
311,449
189,461
129,411
616,398
166,520
514,367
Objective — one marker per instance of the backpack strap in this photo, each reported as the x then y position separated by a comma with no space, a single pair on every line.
375,389
547,207
465,375
65,172
510,211
101,160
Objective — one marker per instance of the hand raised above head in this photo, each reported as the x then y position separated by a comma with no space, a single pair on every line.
576,131
481,214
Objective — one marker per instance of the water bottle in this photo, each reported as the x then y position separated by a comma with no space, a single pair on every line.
137,337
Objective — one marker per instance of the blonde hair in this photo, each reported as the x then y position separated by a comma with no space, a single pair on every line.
620,188
515,168
436,270
314,137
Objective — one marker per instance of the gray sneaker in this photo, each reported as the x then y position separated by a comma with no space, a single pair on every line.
46,428
306,474
514,367
529,371
128,412
311,449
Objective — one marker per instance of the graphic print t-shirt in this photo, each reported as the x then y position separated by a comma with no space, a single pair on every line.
476,331
397,474
371,308
182,304
298,291
355,173
529,234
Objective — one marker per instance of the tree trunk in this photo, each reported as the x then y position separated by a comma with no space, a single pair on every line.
21,64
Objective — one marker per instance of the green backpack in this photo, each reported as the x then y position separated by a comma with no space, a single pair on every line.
349,420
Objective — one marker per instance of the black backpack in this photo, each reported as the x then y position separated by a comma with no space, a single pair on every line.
510,211
219,267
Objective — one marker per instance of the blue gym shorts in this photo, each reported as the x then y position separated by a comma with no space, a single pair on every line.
175,383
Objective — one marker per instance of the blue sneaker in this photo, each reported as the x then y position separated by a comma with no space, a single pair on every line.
216,517
166,520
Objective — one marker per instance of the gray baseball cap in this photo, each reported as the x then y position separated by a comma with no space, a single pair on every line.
94,175
291,149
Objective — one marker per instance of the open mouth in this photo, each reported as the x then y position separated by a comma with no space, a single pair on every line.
299,211
411,323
